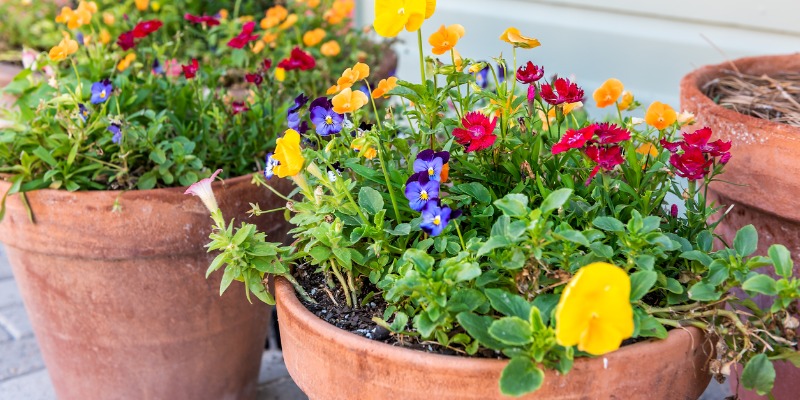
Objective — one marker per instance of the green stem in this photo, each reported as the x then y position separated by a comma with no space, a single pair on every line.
277,193
458,86
421,57
298,288
389,184
461,238
342,282
236,9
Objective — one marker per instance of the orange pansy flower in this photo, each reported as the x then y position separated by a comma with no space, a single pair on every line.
446,38
384,86
660,115
348,101
608,93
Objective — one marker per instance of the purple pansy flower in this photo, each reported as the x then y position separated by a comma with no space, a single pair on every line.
481,78
435,217
327,121
115,129
157,68
83,112
430,163
293,121
420,190
101,91
299,101
269,168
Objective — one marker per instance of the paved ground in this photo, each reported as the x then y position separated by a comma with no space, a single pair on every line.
23,375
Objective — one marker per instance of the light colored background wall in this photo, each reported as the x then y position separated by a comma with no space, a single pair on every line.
649,45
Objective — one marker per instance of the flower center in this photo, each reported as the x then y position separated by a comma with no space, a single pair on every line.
103,94
329,120
437,220
424,196
430,171
401,11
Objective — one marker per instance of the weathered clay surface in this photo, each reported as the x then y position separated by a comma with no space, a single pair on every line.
763,174
118,299
328,363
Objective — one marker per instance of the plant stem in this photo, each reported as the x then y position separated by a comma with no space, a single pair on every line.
389,185
421,57
342,282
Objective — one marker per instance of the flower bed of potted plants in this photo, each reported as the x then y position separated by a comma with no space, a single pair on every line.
759,186
489,222
106,249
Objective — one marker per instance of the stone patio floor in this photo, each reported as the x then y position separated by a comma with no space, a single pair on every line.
23,375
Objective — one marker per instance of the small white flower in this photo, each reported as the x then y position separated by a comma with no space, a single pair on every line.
637,121
347,124
202,189
332,176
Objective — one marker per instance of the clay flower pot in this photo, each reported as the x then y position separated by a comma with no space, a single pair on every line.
763,174
118,300
329,363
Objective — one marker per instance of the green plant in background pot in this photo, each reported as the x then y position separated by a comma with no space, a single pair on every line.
492,220
106,133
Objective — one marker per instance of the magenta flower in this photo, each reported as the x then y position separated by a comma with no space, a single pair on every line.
691,164
606,158
531,93
529,73
608,133
574,139
238,107
245,37
202,189
201,19
562,91
144,28
698,153
255,79
478,132
190,70
673,211
298,59
126,41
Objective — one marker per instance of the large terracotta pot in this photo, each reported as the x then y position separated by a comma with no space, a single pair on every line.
329,363
119,302
763,170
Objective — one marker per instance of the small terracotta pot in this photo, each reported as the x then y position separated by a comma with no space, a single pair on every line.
329,363
118,300
763,172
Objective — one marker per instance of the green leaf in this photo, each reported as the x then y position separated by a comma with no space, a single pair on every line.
508,304
702,291
572,236
641,283
45,156
399,323
513,331
610,224
555,200
158,156
476,190
759,374
494,242
645,262
602,250
705,240
718,272
761,284
650,327
231,273
420,259
399,230
513,205
370,200
546,303
520,376
218,261
781,259
746,241
697,255
478,327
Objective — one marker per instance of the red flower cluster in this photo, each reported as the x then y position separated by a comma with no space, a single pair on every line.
201,19
244,37
562,91
256,79
127,40
238,107
190,70
478,132
529,73
298,59
599,142
698,154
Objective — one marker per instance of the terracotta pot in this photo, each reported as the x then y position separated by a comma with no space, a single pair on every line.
329,363
763,170
119,302
7,74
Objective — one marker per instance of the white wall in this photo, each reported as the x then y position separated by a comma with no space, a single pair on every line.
649,45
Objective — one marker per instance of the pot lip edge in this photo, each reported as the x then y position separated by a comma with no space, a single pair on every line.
690,89
350,340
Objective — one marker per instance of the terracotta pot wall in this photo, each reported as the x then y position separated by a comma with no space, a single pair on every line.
328,363
7,74
119,302
764,170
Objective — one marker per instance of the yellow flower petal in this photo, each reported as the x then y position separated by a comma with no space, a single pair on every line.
288,154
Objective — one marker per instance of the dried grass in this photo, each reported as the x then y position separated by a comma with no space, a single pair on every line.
775,98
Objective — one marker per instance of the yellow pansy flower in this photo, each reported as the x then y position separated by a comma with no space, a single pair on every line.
288,154
391,16
445,38
608,93
384,86
627,100
514,37
348,101
280,74
594,311
660,115
330,48
430,8
126,62
313,37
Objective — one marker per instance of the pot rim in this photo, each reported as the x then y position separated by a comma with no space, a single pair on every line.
55,193
287,299
692,82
